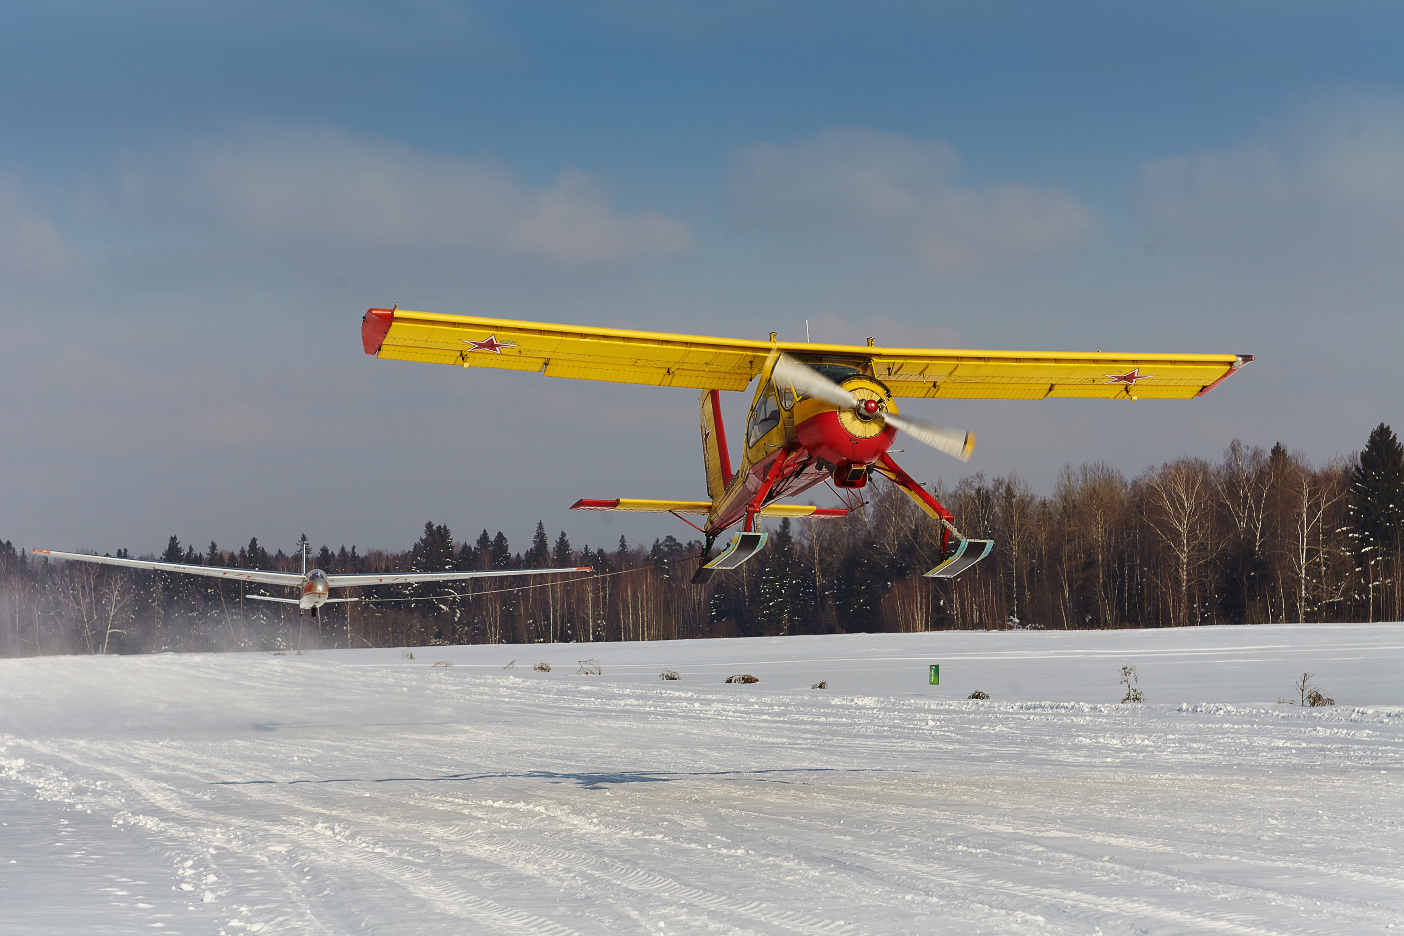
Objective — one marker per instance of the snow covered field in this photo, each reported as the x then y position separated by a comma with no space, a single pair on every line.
348,791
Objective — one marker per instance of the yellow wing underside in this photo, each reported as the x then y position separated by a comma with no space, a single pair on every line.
665,360
640,505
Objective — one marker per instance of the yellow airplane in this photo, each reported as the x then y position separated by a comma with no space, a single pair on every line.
819,413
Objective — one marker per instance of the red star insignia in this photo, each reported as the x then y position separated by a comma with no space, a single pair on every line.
1129,378
489,344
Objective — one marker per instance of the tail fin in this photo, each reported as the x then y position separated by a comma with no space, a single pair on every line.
715,458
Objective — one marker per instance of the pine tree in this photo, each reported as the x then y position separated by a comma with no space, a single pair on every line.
433,551
304,549
174,552
256,557
539,555
1376,506
779,585
561,555
500,552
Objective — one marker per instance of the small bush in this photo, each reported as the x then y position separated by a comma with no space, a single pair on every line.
669,674
510,665
1316,697
742,678
442,663
977,694
1307,694
821,684
1130,679
589,668
542,667
407,654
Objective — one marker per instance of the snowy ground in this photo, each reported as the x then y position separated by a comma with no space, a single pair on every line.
349,791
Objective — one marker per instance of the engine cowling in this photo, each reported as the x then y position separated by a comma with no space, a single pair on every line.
850,437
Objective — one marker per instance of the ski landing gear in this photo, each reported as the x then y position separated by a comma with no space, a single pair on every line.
966,553
742,547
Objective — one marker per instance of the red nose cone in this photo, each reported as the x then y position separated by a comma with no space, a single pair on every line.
870,406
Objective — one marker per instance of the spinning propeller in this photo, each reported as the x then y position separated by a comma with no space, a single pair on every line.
809,382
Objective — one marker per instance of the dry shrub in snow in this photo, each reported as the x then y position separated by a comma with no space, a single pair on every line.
1130,679
542,667
1307,694
821,684
442,663
589,668
669,674
742,678
1317,697
407,654
977,694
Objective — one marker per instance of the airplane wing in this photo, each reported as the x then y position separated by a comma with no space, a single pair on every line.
667,360
1034,375
609,354
238,575
390,578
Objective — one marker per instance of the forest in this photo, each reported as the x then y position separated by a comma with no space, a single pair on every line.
1258,536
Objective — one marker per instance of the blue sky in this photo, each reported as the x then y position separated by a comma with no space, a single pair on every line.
198,201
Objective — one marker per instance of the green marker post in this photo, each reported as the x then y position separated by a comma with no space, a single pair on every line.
935,677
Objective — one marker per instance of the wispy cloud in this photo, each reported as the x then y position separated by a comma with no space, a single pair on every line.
1323,182
329,186
901,191
29,243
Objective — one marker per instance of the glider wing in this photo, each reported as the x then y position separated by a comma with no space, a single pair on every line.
390,578
237,575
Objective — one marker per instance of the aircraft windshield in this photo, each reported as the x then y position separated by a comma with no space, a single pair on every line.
838,373
765,415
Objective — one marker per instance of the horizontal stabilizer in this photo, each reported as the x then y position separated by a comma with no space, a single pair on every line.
640,505
966,554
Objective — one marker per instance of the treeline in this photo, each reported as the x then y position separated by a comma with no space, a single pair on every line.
1258,536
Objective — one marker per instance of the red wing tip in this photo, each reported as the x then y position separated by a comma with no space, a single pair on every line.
375,324
43,552
584,568
828,512
587,504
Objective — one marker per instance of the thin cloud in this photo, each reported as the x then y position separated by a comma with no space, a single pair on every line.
29,243
892,189
328,186
1322,182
